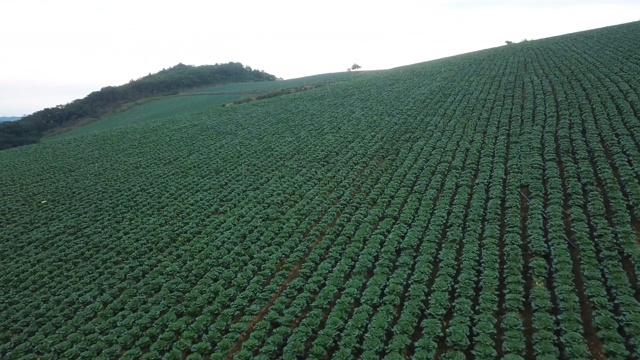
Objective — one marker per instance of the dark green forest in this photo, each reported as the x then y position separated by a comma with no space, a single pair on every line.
30,129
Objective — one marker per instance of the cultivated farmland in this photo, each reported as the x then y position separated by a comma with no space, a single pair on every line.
479,206
201,99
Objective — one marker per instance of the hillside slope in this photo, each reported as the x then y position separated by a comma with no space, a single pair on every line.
481,205
31,128
199,100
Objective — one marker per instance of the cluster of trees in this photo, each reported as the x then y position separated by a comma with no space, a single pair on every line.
170,81
509,42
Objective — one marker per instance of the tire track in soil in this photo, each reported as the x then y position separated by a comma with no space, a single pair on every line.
527,312
612,98
635,225
546,255
601,191
295,269
586,314
442,346
408,350
356,301
416,160
398,308
338,295
441,239
478,275
610,292
436,263
292,275
503,223
593,231
369,275
307,308
581,135
282,261
626,261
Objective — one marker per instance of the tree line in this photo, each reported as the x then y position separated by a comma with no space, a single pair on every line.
31,128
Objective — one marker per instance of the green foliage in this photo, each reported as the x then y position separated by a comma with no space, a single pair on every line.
482,205
31,128
188,102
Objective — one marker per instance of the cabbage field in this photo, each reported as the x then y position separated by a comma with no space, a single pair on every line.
199,99
480,206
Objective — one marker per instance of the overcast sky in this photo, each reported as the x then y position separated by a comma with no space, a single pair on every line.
55,51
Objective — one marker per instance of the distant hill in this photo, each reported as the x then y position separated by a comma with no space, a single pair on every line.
9,118
197,100
170,81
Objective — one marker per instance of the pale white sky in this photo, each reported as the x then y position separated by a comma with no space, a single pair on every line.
55,51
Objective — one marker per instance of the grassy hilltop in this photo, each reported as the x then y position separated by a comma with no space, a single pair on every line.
168,82
479,206
201,99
